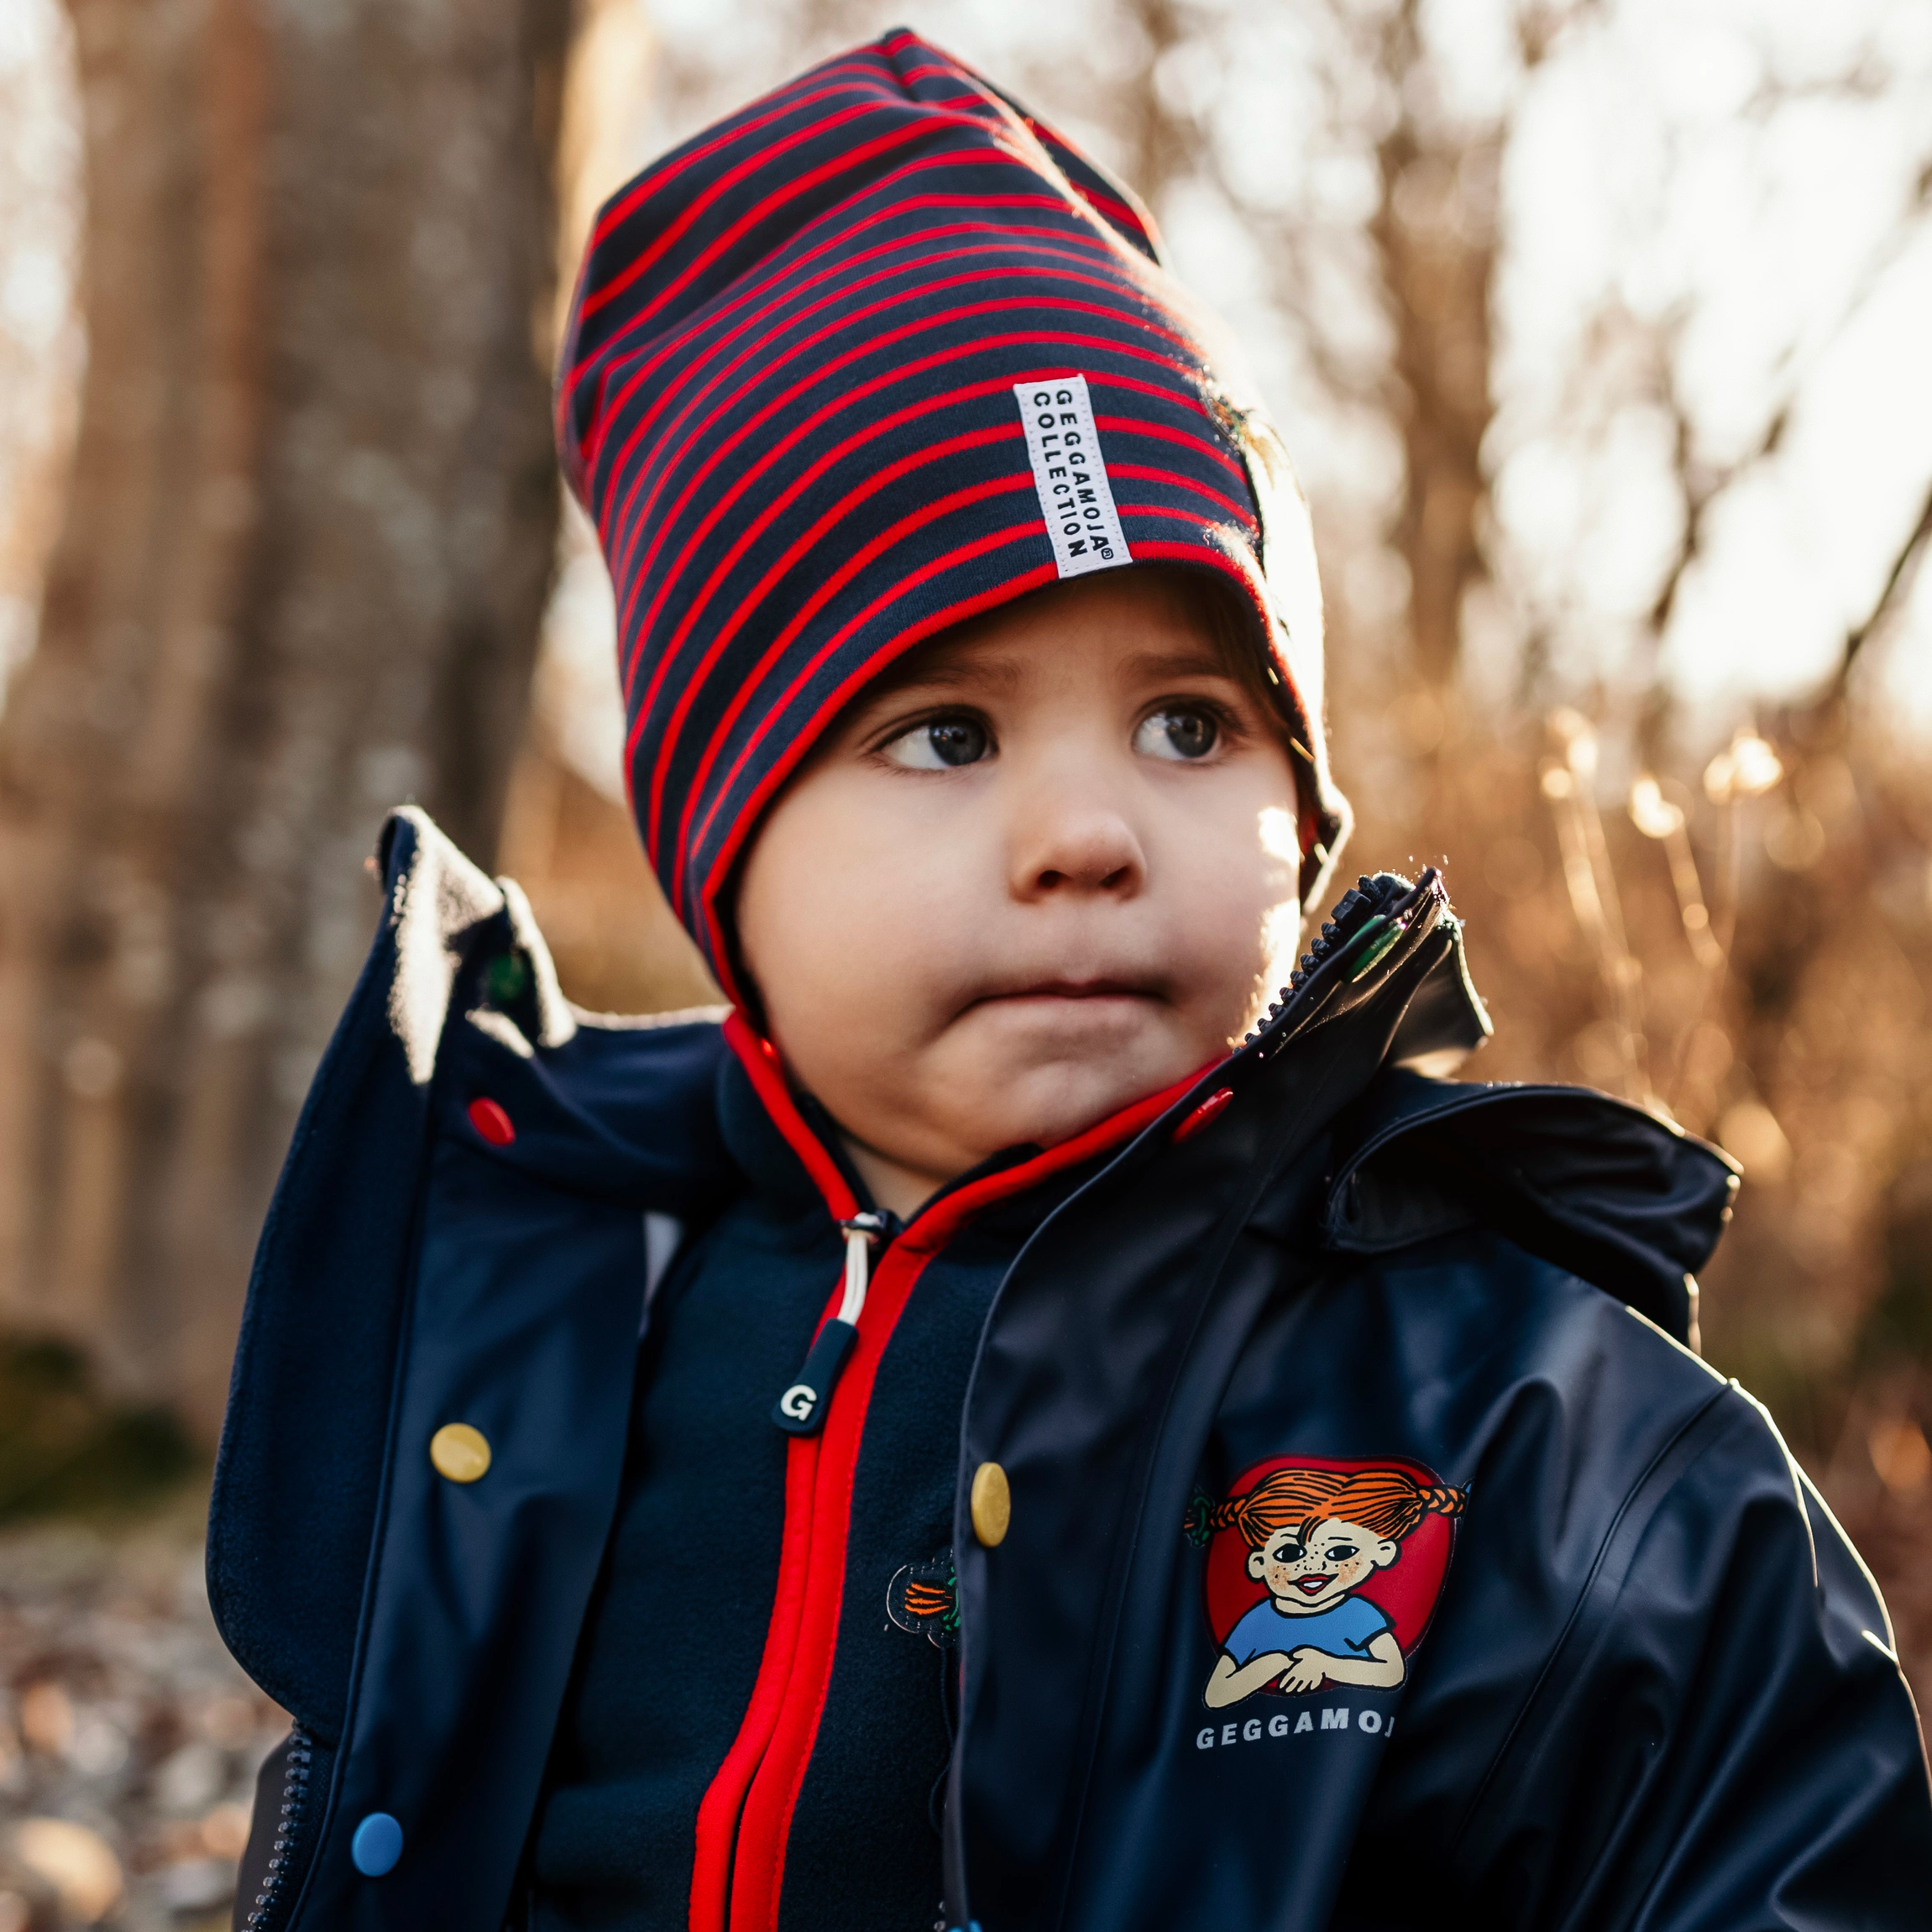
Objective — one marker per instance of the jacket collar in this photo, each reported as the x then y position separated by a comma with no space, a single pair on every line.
788,1148
658,1112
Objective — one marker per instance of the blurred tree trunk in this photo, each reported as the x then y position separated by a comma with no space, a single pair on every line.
309,531
1434,235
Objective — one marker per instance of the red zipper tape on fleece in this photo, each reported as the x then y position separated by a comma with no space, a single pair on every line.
745,1819
718,1813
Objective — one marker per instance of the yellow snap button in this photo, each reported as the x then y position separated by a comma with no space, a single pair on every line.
459,1452
992,1504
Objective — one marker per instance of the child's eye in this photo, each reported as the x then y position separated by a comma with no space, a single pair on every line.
1341,1552
939,745
1178,732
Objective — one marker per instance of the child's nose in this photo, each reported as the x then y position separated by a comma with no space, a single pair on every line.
1075,844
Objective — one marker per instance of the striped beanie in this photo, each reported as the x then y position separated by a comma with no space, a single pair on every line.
874,355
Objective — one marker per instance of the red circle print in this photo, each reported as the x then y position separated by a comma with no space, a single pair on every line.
1405,1592
492,1123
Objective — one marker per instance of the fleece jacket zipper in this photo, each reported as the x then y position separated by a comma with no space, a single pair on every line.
745,1818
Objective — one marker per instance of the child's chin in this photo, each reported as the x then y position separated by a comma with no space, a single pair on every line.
1070,1084
1044,1032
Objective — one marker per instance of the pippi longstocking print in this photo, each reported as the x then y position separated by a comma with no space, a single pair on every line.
1321,1574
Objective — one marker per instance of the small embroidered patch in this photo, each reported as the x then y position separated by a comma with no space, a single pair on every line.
1069,473
923,1599
1197,1519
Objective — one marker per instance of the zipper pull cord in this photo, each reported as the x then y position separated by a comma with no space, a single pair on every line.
801,1410
862,1232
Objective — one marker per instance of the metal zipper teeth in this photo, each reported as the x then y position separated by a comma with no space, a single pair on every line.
295,1800
1368,902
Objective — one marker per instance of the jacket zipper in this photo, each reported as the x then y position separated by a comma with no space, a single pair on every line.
276,1898
745,1818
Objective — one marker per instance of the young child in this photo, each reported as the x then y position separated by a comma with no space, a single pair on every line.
828,1467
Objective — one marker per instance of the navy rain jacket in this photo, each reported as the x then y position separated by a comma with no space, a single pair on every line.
1342,1531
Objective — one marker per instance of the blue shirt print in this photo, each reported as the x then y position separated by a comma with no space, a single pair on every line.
1346,1631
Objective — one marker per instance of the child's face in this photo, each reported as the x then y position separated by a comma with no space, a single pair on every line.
1317,1571
1043,874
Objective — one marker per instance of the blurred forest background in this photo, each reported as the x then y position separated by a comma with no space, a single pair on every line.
1597,329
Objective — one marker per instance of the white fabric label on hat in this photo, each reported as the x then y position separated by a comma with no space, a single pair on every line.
1070,473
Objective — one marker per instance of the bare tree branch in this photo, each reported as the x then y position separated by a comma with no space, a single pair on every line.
1898,581
1701,487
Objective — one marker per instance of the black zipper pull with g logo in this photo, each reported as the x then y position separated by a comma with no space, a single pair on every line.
800,1410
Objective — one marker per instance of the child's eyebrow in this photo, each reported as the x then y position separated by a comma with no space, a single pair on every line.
996,674
1204,663
1004,675
1000,675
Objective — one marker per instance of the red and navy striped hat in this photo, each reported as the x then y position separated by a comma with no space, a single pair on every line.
875,354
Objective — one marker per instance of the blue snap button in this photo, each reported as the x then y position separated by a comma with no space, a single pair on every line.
376,1845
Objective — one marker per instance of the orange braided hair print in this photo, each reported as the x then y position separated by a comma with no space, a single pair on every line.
1389,1503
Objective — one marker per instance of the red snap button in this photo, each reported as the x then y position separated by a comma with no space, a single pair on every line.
492,1123
1205,1114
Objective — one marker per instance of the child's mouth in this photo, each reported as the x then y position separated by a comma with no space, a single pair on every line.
1313,1586
1095,989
